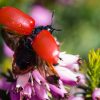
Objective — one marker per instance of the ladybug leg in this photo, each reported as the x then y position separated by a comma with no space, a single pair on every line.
52,69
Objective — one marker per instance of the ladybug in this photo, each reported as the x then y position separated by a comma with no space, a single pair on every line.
32,45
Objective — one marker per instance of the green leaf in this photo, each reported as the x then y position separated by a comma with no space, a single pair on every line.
93,68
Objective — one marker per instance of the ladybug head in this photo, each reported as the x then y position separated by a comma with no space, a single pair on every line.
51,29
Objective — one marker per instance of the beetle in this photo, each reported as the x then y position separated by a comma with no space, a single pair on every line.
29,43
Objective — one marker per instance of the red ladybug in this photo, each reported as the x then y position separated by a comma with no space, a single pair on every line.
34,42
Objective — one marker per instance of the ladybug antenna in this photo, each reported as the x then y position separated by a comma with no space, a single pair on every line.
53,12
52,17
54,29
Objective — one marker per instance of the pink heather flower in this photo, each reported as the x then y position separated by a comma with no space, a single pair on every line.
69,61
40,84
67,76
96,94
41,15
27,90
7,51
75,91
41,91
41,81
58,90
74,67
9,87
82,79
35,97
37,76
14,96
25,78
4,84
37,87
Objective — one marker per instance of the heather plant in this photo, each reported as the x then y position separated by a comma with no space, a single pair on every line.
77,74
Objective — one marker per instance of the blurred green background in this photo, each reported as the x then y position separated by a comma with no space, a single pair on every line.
78,19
